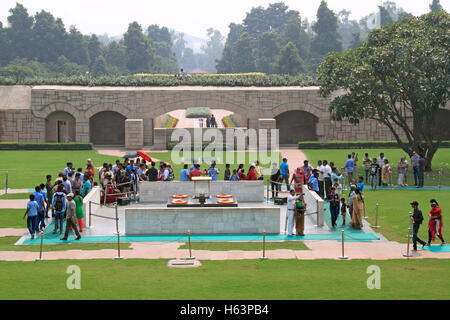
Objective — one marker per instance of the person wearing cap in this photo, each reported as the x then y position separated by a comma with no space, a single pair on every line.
416,220
71,218
291,200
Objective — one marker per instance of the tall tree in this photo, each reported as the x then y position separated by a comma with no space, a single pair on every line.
243,57
20,32
49,37
225,64
99,67
327,38
289,61
212,50
399,77
385,16
4,51
267,50
294,32
95,49
138,51
436,6
76,49
115,55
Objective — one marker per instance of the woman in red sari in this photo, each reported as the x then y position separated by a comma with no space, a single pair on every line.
435,223
298,179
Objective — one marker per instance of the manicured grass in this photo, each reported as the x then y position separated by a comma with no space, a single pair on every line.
245,246
26,169
12,218
14,196
7,244
339,156
236,280
394,211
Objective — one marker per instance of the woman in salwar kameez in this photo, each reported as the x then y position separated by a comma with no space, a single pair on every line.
358,210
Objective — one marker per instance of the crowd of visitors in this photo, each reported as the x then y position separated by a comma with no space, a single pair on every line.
328,182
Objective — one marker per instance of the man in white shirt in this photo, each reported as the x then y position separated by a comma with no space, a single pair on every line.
327,176
290,211
380,161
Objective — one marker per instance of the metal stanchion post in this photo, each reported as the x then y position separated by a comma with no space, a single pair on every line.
408,253
365,215
119,257
343,256
41,246
6,183
264,246
90,214
377,206
190,247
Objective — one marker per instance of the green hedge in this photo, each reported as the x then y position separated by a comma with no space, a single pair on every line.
355,145
200,112
44,146
252,80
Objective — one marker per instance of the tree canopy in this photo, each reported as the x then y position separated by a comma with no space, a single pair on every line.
398,77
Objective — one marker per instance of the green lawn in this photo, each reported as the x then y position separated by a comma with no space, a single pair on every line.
26,169
12,218
339,156
237,280
394,210
245,246
7,244
14,196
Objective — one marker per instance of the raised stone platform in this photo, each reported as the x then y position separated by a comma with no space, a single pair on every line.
241,220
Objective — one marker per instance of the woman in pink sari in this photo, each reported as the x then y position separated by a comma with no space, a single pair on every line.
298,180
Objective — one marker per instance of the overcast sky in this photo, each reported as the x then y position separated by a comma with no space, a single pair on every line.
189,16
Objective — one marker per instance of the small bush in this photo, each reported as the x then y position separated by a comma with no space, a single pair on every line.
228,122
44,146
171,122
198,112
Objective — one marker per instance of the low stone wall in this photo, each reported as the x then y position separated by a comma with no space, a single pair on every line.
243,191
147,221
93,196
314,205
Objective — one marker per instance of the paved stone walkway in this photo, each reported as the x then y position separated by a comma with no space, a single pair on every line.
13,191
158,250
14,204
295,157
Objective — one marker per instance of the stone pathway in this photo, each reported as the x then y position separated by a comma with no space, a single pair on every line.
295,157
11,232
13,191
158,250
14,204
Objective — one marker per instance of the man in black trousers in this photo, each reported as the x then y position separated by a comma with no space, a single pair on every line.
416,219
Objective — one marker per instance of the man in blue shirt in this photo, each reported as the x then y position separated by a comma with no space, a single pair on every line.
184,173
39,198
284,173
213,172
349,168
32,212
86,186
360,184
314,181
130,168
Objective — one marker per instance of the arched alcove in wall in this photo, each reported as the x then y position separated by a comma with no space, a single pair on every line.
296,126
107,128
60,126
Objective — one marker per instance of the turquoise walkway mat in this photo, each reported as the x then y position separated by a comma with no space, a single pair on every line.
438,248
203,238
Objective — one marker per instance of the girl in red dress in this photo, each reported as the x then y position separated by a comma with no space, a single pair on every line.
435,223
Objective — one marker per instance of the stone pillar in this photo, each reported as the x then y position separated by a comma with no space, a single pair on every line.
134,134
268,139
160,138
148,131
